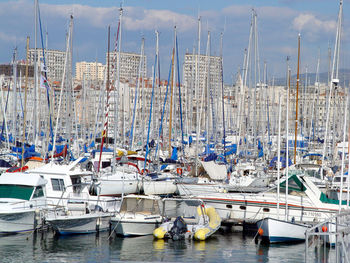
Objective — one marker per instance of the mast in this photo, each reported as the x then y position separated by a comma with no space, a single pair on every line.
179,94
222,92
136,99
150,113
104,135
14,96
25,103
279,157
208,94
343,154
68,46
314,107
119,63
35,111
197,93
287,133
171,95
296,105
116,86
334,79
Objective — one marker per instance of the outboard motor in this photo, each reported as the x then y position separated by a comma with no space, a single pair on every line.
179,229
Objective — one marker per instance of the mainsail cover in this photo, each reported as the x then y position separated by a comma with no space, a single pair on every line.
214,170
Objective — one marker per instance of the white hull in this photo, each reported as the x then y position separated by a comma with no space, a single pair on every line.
117,187
304,206
251,208
134,227
275,231
159,187
17,222
83,224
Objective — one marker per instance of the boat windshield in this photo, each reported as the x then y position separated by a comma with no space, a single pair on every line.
23,192
139,205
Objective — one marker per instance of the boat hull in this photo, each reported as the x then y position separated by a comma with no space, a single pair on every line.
135,227
68,225
18,222
117,187
278,231
158,187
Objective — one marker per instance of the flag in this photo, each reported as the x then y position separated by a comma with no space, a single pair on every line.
43,83
43,67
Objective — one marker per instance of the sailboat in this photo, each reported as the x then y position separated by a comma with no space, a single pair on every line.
275,230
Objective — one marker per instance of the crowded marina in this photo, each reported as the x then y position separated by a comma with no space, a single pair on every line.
181,159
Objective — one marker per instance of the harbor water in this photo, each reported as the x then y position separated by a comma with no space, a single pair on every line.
223,246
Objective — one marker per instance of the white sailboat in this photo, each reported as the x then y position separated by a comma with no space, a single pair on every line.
275,230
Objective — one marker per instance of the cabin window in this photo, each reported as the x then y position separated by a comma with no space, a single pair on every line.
266,210
106,164
229,206
39,192
338,179
243,207
57,184
23,192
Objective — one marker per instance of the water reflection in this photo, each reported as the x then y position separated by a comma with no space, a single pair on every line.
222,247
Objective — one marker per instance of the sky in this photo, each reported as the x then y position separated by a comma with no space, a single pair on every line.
278,22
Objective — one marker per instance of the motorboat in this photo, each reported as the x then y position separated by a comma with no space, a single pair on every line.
80,218
23,199
139,215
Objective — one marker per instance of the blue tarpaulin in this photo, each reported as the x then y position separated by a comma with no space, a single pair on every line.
273,162
300,144
59,148
174,154
211,157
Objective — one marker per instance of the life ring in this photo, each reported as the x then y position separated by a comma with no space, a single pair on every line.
144,170
179,171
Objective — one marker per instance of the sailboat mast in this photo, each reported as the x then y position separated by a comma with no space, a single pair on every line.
334,80
136,99
208,94
278,157
296,105
36,112
105,133
287,133
171,95
62,85
222,92
197,93
25,103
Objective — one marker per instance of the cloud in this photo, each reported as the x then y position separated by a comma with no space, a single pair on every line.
265,12
158,19
134,18
310,23
95,16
